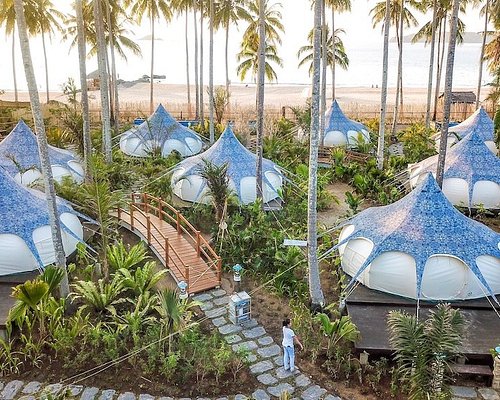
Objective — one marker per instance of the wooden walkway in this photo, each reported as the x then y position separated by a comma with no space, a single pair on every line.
177,244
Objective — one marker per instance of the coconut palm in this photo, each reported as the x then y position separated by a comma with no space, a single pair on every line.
153,9
261,66
218,186
211,127
43,148
431,65
272,22
249,59
486,13
201,7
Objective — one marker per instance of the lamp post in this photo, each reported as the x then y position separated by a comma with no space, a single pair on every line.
183,295
237,277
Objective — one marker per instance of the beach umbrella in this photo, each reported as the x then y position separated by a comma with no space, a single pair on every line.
20,158
342,131
471,175
188,185
421,247
160,132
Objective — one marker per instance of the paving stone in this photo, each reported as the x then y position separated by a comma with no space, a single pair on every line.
282,374
489,394
75,390
233,338
165,398
271,351
1,385
32,387
463,391
53,388
224,300
27,397
331,397
206,305
250,345
229,328
278,389
251,323
216,312
261,367
266,340
127,396
260,394
184,398
251,358
240,397
10,390
219,321
146,397
203,297
218,292
89,393
302,380
267,379
313,393
254,332
222,398
278,360
107,394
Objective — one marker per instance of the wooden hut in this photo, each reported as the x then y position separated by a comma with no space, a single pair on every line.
462,105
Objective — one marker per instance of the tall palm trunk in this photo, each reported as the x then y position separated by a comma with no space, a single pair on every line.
202,106
400,71
447,93
227,56
87,143
260,99
43,148
211,126
481,58
151,84
440,65
187,62
46,64
196,76
114,77
324,64
383,92
315,292
333,50
431,65
103,82
14,76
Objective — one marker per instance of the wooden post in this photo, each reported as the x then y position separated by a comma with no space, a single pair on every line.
160,208
132,215
148,227
179,231
198,243
119,213
186,273
166,252
145,202
219,269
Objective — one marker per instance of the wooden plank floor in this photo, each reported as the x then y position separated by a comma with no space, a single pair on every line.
201,277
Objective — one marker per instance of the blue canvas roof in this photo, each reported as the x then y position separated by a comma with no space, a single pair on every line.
470,160
422,224
337,121
21,144
479,122
22,210
228,150
161,126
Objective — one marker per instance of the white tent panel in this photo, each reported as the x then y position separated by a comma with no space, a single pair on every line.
59,172
195,146
78,173
171,145
72,222
334,138
487,194
489,267
355,254
346,231
28,177
456,190
445,278
15,256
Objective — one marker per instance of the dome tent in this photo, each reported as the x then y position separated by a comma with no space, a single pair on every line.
25,233
471,176
188,185
342,131
478,122
160,131
421,247
19,156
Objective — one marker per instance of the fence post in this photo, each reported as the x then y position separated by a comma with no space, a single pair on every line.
132,215
148,227
179,231
219,270
119,213
166,252
198,243
160,208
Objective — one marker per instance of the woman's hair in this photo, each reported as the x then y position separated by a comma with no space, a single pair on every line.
286,322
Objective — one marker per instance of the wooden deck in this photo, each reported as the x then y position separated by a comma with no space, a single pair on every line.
179,247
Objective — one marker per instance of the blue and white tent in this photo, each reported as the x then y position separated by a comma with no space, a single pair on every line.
478,122
19,156
471,176
421,247
190,186
25,235
342,131
160,132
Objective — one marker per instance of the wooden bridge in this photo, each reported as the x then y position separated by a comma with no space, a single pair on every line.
177,244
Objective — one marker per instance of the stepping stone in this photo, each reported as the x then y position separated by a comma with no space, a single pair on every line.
260,394
218,292
1,385
127,396
89,393
165,398
261,367
278,360
278,389
271,351
107,394
222,398
233,338
282,374
267,379
251,358
224,300
27,397
266,340
203,297
53,389
313,393
207,305
10,390
146,397
216,312
463,391
75,390
251,323
489,394
229,328
302,380
32,387
331,397
250,345
240,397
254,332
219,321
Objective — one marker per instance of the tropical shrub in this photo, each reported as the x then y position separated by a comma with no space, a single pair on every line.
417,142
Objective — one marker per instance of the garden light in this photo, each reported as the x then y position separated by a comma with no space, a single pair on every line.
237,272
183,295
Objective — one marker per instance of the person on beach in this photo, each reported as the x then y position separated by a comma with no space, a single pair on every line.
289,338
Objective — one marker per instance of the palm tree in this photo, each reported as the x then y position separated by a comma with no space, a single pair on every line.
218,186
87,143
261,67
249,59
272,22
202,57
43,148
8,18
485,11
153,9
115,109
196,75
324,64
431,65
316,294
211,127
447,92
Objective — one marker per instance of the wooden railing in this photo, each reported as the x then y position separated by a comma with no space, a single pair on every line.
147,205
